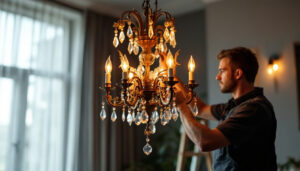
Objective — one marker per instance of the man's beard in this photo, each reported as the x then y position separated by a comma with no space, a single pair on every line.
229,87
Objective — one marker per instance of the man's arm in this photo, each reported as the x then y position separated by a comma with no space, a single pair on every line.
204,110
207,139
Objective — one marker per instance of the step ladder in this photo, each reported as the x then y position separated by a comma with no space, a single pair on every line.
196,154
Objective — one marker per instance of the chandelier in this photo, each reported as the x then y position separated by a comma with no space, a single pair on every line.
147,94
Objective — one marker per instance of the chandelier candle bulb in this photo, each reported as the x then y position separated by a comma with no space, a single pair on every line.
191,66
170,63
108,68
125,66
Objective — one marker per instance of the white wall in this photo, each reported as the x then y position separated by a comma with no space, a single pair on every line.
269,27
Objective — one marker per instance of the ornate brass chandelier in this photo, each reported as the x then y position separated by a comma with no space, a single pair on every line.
147,95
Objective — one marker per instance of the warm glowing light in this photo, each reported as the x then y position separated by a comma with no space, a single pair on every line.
130,75
124,63
191,64
170,60
108,65
275,67
270,70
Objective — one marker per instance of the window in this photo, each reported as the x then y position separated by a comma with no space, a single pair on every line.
40,57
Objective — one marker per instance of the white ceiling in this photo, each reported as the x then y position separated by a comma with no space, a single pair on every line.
116,7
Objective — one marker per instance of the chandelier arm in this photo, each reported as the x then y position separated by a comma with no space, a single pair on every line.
190,97
128,20
156,81
158,14
138,18
191,86
135,78
159,28
162,100
136,97
128,103
112,101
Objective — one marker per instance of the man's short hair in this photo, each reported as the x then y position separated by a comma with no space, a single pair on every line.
244,58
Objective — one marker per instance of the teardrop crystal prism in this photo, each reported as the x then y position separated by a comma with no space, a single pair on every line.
147,149
116,42
167,114
113,116
165,47
166,34
164,121
123,116
173,43
138,118
195,110
133,116
144,117
122,36
130,47
172,34
152,128
136,49
154,116
150,32
174,113
103,113
129,32
129,119
161,47
161,114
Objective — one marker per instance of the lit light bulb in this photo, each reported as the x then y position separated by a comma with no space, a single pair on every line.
170,63
270,70
191,66
130,75
124,63
170,60
275,67
108,68
108,65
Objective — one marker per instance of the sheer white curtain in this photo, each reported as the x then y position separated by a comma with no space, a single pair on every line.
40,84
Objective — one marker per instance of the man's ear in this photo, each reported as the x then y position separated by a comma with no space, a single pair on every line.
238,73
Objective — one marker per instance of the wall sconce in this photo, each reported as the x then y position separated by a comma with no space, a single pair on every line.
273,64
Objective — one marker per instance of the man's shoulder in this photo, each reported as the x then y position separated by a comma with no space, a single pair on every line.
257,101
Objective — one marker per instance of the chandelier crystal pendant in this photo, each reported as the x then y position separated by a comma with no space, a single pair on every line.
147,95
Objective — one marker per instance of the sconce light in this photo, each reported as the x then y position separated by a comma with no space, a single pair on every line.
273,64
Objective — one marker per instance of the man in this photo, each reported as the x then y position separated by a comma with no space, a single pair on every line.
245,137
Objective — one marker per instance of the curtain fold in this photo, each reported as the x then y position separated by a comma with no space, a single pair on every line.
113,143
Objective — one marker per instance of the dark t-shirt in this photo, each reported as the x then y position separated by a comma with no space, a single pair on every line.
249,124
